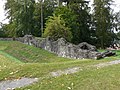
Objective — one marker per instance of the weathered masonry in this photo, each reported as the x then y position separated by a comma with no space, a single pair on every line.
63,48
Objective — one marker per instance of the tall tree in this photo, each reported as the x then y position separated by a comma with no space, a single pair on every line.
82,11
20,12
76,14
25,17
117,21
48,7
103,21
70,19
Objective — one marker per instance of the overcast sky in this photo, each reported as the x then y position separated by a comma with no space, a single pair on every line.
2,12
2,16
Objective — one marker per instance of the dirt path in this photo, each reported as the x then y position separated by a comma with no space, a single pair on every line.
101,65
77,69
12,84
66,71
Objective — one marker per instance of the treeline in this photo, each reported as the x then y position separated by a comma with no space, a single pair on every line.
71,19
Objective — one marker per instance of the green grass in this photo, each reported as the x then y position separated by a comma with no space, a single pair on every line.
20,60
29,53
102,79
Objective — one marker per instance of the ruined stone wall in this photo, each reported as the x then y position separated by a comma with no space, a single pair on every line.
65,49
61,47
6,39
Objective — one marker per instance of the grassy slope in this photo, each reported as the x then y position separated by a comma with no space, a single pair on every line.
41,62
28,53
32,54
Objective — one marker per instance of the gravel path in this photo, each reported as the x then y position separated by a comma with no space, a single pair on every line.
77,69
66,71
17,83
101,65
12,84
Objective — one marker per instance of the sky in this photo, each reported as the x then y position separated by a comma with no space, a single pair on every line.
116,8
2,13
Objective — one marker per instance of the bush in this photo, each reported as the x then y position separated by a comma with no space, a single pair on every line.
55,28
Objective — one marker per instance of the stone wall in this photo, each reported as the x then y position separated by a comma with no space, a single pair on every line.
62,48
6,39
65,49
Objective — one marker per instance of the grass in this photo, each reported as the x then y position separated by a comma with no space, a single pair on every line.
29,53
20,60
102,79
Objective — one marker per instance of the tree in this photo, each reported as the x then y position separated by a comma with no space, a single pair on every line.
117,21
76,15
48,7
2,30
103,22
20,12
25,20
82,33
117,25
69,17
56,28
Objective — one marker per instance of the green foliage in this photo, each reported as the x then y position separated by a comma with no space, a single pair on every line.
76,16
37,20
11,30
56,28
20,13
25,20
82,32
2,31
8,30
103,22
70,19
116,21
48,8
97,28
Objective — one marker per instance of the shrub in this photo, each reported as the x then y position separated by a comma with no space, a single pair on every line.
55,28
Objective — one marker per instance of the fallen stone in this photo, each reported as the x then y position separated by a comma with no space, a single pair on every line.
108,53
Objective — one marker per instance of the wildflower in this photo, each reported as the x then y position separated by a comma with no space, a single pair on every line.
62,84
69,88
11,73
72,84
